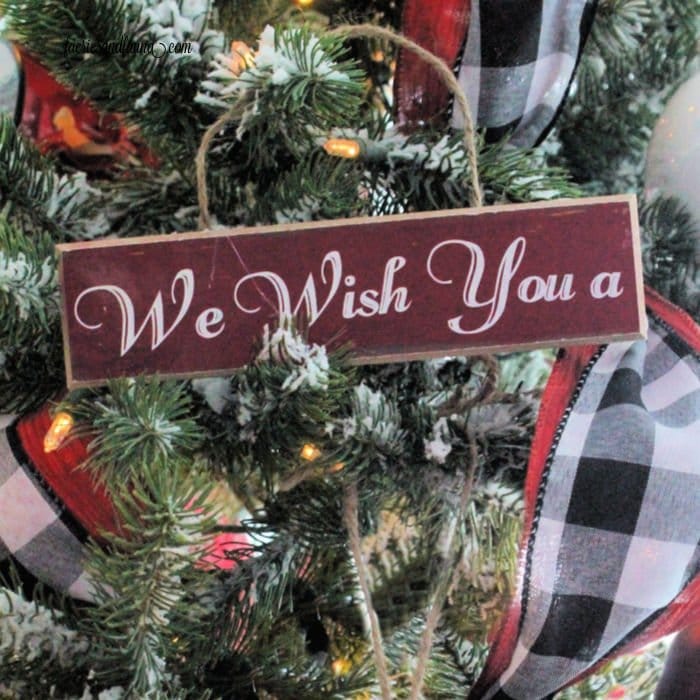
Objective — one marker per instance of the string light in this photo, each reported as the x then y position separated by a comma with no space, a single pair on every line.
341,667
242,57
338,466
60,427
310,452
304,4
342,148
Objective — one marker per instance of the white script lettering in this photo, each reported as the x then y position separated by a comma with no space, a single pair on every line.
371,301
535,288
497,302
606,284
155,315
209,317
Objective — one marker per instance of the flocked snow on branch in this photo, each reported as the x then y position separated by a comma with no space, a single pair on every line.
32,631
26,283
293,64
308,364
180,23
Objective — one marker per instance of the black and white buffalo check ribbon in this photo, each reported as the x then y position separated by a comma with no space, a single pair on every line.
518,62
37,534
616,525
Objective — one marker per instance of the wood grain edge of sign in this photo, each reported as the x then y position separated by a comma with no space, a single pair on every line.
638,268
272,229
360,359
70,382
491,349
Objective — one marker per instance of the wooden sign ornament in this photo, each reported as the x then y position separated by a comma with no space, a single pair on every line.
395,288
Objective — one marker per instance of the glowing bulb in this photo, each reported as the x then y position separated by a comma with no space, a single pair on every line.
304,4
241,57
341,667
310,452
342,148
60,427
378,56
337,467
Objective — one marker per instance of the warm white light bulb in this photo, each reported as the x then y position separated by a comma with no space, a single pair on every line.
60,427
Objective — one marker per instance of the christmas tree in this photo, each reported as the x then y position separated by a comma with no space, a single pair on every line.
305,528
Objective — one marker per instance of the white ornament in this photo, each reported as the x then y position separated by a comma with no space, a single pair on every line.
673,160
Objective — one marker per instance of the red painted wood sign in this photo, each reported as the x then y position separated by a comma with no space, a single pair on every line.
394,288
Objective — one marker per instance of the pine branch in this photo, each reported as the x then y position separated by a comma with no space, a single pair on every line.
30,362
297,81
489,561
144,202
428,171
142,581
669,238
264,622
635,675
28,286
296,85
139,423
619,25
39,199
31,374
638,53
444,679
279,403
318,188
153,90
41,651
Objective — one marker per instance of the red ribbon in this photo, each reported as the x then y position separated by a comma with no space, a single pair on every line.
439,27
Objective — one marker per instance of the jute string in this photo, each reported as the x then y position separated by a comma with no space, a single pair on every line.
351,507
368,31
351,522
201,165
450,575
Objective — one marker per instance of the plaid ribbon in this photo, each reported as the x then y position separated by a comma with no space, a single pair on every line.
613,542
50,506
518,62
37,533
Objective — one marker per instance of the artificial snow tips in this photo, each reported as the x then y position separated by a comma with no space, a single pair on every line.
438,447
283,57
174,23
283,61
308,364
216,391
32,631
375,421
26,283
